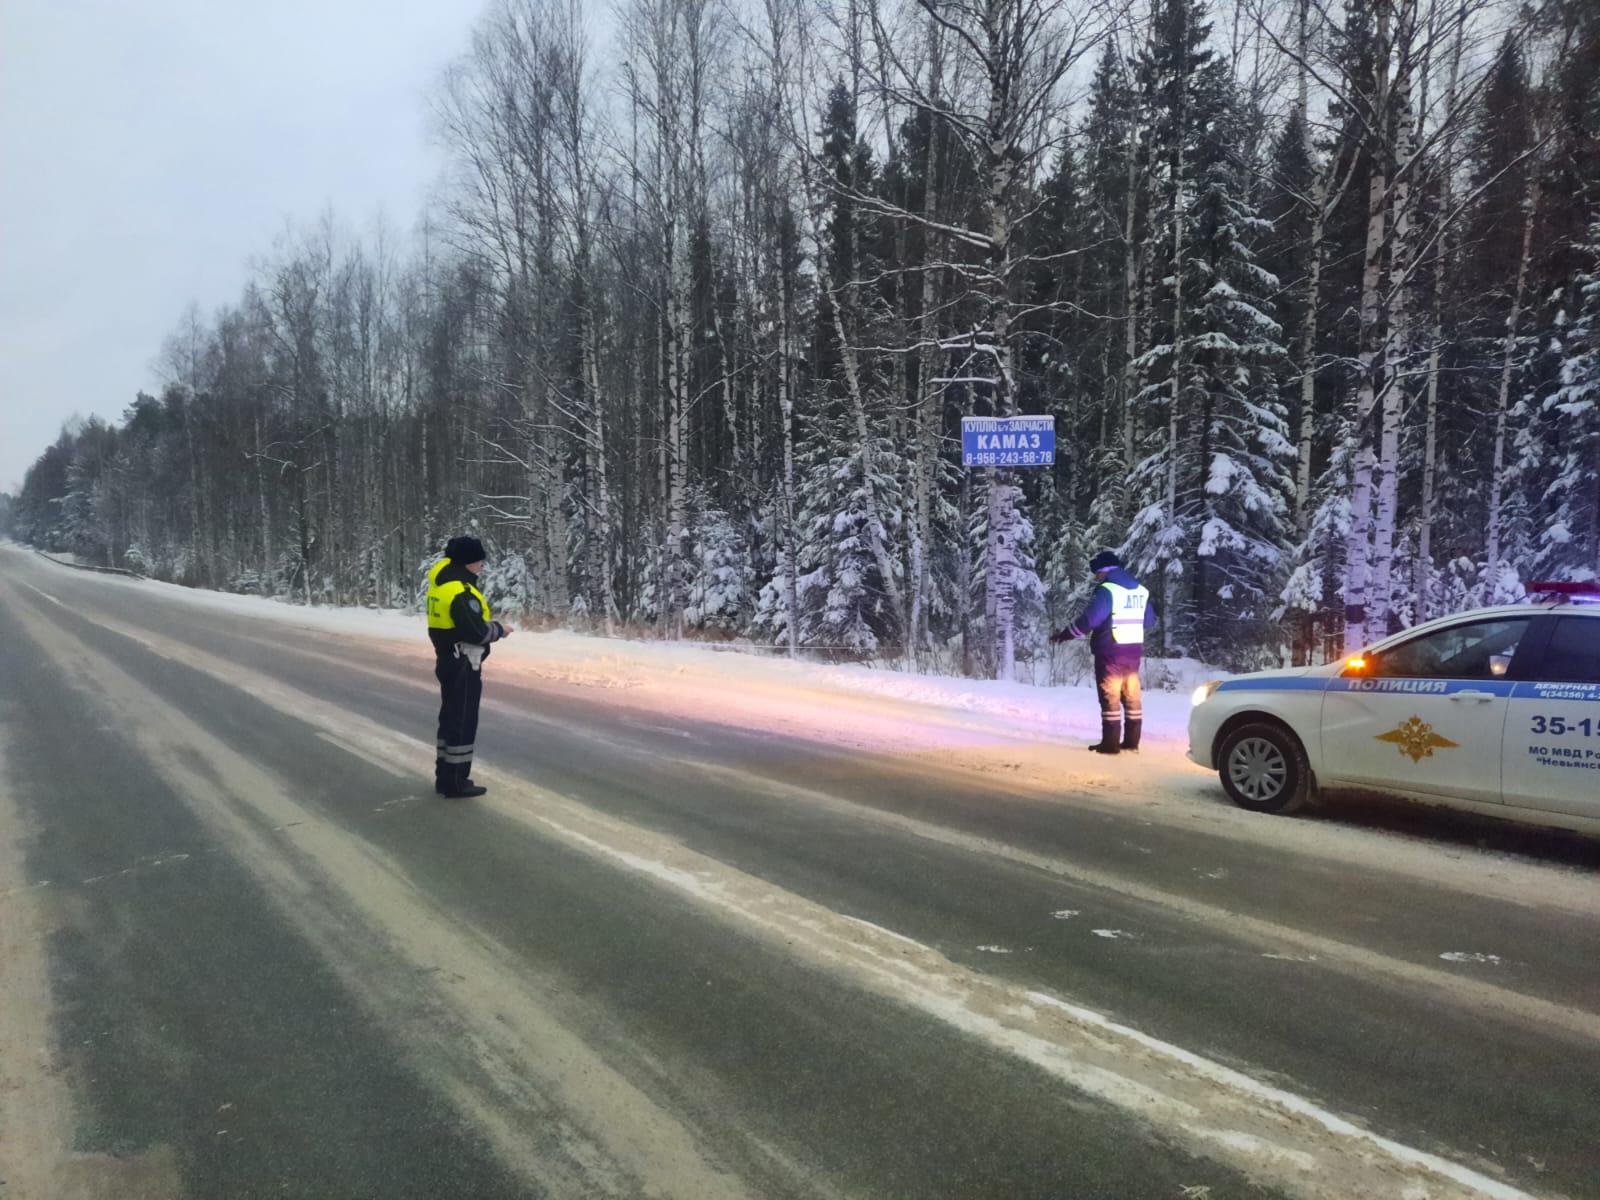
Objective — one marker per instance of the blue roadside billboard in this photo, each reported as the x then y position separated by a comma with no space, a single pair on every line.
1008,441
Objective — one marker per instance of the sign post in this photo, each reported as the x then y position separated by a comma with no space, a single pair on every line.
1008,441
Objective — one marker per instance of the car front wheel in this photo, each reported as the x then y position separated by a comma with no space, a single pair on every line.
1264,768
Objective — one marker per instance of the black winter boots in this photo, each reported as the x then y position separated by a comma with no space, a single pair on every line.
1116,737
452,788
1110,738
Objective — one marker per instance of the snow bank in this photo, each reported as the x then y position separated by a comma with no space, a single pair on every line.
746,685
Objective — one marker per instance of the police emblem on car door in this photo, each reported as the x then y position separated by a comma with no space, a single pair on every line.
1416,739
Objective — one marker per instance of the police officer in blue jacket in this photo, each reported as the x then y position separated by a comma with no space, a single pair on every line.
1119,612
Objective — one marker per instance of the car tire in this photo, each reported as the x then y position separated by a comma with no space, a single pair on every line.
1264,769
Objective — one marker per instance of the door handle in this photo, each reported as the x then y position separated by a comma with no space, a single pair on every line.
1479,697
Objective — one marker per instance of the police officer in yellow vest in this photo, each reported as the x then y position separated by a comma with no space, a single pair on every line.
1119,612
461,630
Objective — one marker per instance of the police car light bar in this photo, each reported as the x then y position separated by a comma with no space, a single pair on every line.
1577,593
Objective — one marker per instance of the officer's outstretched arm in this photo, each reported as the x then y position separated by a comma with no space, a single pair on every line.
1095,615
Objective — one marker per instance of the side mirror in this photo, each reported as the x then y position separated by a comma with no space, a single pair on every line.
1499,664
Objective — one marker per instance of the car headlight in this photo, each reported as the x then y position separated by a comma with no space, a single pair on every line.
1203,693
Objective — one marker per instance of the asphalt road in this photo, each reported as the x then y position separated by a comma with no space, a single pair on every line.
245,951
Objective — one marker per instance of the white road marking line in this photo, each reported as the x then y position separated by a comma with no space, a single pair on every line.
1293,1103
880,931
139,865
27,887
42,592
953,995
1487,999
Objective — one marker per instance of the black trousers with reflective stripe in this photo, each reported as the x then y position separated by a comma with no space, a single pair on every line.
460,690
1121,700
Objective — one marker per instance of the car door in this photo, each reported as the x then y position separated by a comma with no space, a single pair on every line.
1552,735
1426,715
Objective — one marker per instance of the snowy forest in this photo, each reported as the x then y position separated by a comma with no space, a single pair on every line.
1310,287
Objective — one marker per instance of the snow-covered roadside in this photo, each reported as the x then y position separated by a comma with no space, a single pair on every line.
984,708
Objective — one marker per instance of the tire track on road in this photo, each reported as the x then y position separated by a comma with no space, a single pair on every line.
471,1021
38,1156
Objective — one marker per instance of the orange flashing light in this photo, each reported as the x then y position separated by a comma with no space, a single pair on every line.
1358,663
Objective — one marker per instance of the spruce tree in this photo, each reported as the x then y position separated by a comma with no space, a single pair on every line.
1245,449
720,574
1501,137
1212,530
1113,233
1569,540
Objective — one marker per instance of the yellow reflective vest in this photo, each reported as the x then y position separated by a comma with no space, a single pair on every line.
442,595
1127,613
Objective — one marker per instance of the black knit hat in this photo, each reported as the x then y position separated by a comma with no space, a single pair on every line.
1104,561
464,550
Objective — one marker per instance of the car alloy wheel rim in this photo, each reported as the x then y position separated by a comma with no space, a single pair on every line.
1258,769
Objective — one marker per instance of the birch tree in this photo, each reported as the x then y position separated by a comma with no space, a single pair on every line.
1020,53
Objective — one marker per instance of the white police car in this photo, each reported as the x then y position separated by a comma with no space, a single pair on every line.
1495,710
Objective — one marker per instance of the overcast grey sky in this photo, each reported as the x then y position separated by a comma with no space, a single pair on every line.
150,148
